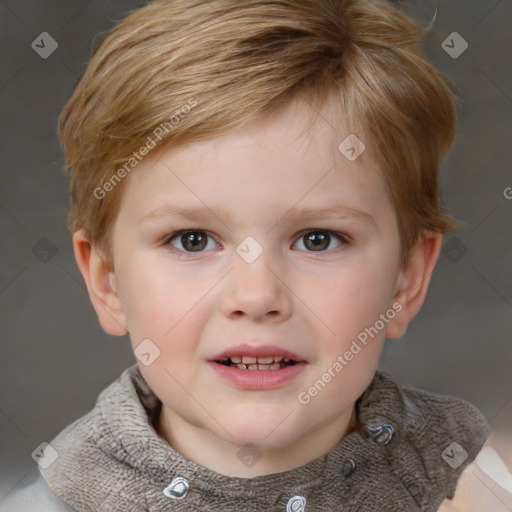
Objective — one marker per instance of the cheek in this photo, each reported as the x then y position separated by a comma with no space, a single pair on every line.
351,300
348,359
158,300
336,387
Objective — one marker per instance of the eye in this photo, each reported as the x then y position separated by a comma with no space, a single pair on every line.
319,240
191,241
195,241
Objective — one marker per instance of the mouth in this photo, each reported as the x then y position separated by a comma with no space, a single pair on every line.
257,363
258,367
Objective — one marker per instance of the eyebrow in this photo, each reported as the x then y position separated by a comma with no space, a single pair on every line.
335,211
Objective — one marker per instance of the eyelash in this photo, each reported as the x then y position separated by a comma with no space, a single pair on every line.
344,241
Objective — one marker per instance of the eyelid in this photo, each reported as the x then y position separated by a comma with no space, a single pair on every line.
176,234
344,237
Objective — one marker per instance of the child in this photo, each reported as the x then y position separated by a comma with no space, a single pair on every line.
255,200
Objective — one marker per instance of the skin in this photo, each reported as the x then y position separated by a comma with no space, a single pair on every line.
193,305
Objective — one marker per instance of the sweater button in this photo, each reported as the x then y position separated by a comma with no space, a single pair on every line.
296,504
177,489
380,435
348,467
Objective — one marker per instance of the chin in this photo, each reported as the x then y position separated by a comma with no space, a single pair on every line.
265,435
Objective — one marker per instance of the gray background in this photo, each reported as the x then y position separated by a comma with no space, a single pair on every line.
56,358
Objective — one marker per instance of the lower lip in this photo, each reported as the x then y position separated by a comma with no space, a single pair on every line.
258,379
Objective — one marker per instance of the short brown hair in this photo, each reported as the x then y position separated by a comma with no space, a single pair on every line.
230,61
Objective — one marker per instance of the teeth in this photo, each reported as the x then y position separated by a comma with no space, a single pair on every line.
274,366
257,363
254,360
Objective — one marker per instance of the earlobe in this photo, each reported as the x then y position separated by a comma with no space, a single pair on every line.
101,285
414,280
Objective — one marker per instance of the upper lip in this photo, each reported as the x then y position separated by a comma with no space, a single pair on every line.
256,351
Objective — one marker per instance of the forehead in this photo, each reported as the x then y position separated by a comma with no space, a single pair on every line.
273,162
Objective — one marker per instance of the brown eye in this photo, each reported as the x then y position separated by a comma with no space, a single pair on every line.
317,241
191,241
320,240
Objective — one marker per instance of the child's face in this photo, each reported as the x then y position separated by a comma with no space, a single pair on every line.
197,306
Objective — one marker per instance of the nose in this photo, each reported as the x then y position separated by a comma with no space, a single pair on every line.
257,290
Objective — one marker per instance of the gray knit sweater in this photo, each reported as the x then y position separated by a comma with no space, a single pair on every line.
112,459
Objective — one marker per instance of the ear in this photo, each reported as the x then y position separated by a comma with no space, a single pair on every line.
413,282
101,285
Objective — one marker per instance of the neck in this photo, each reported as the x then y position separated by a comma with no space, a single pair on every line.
215,453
